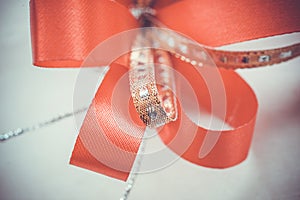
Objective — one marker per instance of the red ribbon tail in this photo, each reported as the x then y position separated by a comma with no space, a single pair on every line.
110,136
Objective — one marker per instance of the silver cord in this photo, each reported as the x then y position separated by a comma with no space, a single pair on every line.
136,168
20,131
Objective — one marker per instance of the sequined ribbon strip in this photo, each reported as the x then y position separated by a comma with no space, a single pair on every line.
182,46
149,70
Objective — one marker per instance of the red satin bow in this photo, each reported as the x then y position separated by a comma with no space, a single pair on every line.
65,32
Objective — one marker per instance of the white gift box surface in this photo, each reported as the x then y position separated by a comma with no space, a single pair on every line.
35,165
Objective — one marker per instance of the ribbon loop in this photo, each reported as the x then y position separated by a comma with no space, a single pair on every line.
64,32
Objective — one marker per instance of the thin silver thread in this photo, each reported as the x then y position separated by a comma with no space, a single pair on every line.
136,169
19,131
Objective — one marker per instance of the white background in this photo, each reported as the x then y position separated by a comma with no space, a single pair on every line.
35,166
